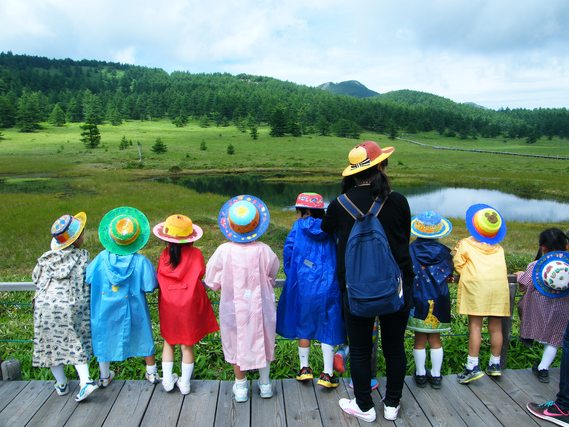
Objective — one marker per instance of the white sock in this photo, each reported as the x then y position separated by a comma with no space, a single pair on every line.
471,362
265,373
167,368
436,361
420,357
241,383
151,369
549,353
494,360
105,368
303,354
59,375
83,371
187,370
328,356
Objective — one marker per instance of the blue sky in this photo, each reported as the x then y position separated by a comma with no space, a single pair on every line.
496,53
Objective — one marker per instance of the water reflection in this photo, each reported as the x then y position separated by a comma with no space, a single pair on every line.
449,202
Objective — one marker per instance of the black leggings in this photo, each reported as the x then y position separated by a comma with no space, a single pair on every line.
392,330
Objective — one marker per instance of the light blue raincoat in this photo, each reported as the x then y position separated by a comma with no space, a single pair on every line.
120,319
310,306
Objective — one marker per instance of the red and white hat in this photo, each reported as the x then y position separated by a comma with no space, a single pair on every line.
310,201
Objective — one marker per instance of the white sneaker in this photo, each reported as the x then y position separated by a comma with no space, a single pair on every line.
86,390
184,389
104,382
390,412
241,393
266,390
169,385
152,378
352,408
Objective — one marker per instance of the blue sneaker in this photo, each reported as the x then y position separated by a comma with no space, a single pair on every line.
340,361
469,375
61,389
374,384
86,390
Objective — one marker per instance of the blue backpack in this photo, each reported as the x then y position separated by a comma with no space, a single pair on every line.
373,278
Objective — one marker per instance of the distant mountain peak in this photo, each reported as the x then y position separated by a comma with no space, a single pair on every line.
350,87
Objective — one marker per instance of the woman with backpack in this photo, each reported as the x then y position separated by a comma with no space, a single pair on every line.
365,181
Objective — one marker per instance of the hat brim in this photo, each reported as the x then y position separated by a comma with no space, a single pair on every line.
158,231
56,246
537,277
447,228
112,246
385,153
228,232
474,232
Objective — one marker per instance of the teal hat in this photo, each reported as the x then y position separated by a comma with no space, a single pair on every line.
124,231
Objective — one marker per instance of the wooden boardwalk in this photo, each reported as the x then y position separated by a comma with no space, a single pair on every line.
486,402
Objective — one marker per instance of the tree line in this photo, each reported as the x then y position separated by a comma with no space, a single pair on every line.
37,89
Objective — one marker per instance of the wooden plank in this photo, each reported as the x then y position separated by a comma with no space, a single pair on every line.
472,411
301,407
330,411
57,409
229,412
9,390
23,408
379,421
197,409
504,408
522,392
130,406
434,404
164,408
268,412
543,392
410,414
93,411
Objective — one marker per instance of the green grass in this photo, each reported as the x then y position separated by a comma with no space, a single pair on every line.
50,173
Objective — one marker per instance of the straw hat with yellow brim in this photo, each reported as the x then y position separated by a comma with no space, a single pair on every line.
430,225
485,224
66,229
551,274
243,219
178,229
366,155
124,231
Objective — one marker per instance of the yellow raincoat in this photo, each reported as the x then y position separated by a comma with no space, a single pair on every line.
483,287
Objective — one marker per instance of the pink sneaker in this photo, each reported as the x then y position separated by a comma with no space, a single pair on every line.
352,408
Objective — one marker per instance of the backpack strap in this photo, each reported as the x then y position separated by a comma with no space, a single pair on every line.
376,207
349,206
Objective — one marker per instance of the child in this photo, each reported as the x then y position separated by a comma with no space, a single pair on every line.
62,329
310,306
245,271
483,286
430,315
185,311
119,278
544,313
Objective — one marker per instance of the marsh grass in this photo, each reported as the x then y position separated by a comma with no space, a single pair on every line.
49,173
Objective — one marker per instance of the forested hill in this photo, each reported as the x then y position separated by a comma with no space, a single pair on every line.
36,89
351,87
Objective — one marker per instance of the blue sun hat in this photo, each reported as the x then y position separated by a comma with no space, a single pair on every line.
430,225
485,224
243,219
551,274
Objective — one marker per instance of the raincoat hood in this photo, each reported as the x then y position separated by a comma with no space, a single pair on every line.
118,267
311,226
58,264
430,252
483,248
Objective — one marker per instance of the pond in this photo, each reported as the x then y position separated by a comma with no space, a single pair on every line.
449,202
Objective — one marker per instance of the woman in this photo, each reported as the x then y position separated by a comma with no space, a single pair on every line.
364,181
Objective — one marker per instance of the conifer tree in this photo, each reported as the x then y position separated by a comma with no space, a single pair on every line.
159,147
57,116
91,137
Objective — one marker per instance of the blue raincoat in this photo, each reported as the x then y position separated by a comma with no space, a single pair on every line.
120,319
432,264
310,306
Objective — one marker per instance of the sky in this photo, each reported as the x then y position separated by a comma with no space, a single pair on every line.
495,53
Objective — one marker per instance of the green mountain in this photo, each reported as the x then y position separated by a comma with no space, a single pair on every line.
351,87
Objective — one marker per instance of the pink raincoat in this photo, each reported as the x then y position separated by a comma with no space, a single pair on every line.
245,273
